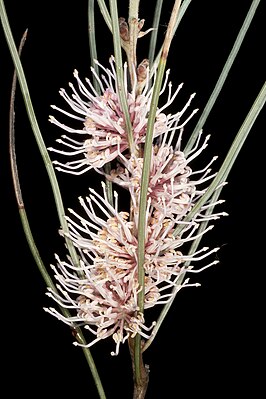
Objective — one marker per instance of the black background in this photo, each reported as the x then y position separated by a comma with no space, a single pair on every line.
211,343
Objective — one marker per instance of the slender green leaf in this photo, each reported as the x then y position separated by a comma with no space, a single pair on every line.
222,78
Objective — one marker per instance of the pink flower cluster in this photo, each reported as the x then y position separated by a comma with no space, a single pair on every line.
102,291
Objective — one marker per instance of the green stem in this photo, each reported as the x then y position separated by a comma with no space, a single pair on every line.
92,44
230,158
133,9
120,73
146,175
49,283
105,13
133,18
93,57
221,176
154,33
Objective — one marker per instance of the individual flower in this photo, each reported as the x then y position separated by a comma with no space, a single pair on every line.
100,122
102,291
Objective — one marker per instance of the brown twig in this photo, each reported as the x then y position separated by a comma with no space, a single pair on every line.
12,150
